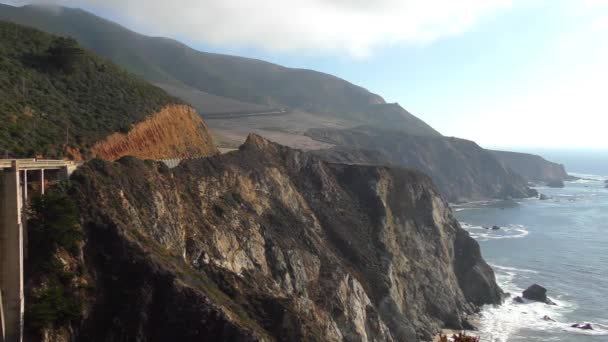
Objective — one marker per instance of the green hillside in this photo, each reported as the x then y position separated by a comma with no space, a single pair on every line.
54,94
165,61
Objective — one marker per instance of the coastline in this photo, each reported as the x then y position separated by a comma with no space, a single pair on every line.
551,239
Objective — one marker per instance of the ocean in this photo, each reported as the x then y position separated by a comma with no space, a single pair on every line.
560,244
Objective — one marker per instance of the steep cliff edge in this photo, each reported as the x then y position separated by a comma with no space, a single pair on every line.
269,243
532,167
462,170
176,131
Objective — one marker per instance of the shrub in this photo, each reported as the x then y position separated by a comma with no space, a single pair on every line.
52,225
52,307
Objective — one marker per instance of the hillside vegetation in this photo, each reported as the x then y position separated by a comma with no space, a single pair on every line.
181,69
57,97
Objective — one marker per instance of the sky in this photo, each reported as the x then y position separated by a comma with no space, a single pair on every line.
504,73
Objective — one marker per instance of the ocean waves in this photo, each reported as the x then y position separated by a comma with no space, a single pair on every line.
481,233
584,177
505,322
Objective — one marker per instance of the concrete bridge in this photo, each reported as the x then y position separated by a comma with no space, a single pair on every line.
18,178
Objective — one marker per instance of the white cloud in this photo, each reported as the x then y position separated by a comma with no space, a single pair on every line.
355,27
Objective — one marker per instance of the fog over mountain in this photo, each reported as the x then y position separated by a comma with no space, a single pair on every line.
327,25
477,70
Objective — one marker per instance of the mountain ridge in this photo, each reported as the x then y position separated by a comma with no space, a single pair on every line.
462,170
533,168
243,79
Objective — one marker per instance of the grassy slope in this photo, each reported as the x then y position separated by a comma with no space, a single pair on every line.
42,106
161,60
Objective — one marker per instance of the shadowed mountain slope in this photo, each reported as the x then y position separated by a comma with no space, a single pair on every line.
462,170
532,167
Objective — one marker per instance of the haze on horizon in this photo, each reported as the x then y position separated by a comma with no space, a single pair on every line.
504,73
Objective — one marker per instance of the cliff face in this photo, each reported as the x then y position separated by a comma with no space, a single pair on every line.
176,131
268,243
461,169
532,167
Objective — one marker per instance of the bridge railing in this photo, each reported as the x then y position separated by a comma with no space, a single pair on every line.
37,163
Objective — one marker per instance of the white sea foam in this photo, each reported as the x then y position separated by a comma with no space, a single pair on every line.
512,270
498,323
479,233
588,177
462,209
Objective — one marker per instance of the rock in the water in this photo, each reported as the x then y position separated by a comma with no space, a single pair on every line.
555,183
486,227
543,197
548,319
537,293
585,326
518,299
495,227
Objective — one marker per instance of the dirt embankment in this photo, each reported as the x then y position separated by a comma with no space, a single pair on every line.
176,131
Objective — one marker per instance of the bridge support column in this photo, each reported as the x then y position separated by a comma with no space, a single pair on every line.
11,253
42,181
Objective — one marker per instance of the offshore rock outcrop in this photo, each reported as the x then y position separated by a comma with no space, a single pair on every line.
176,131
268,243
462,170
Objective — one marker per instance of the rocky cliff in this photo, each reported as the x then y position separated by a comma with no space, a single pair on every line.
532,167
462,170
268,243
176,131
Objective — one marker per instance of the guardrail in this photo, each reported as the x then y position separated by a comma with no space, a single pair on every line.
37,163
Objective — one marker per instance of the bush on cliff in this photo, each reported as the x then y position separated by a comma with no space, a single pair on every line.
53,228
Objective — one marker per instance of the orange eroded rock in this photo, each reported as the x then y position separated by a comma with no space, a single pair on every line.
176,131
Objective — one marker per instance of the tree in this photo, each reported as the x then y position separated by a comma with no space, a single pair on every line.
65,53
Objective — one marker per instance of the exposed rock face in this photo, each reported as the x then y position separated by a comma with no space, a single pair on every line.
537,293
176,131
532,167
461,169
268,243
583,326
